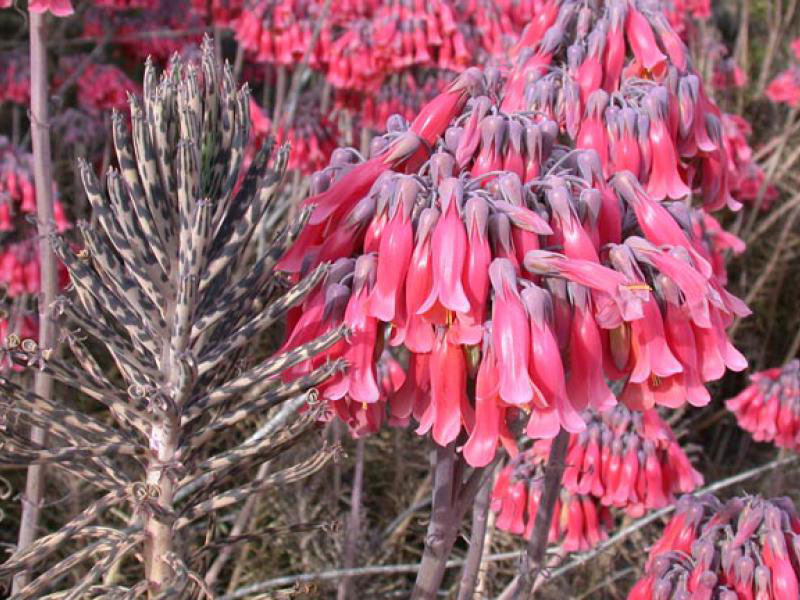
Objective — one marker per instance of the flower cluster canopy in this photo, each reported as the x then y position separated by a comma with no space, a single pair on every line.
624,459
528,233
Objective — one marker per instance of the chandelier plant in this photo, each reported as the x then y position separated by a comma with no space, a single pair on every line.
525,240
542,246
170,290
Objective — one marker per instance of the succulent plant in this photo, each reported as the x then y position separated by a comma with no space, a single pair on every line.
168,289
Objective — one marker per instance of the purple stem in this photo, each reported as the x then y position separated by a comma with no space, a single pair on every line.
480,515
533,560
354,522
43,178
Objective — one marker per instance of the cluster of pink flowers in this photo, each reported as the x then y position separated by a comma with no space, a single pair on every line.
745,549
769,408
362,43
312,137
786,86
104,87
628,460
127,4
220,12
402,96
129,28
747,176
683,14
17,193
624,459
19,256
540,270
579,523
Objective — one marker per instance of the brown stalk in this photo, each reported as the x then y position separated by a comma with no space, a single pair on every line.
532,561
43,177
480,516
354,522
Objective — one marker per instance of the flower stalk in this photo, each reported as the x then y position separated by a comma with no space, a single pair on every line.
43,176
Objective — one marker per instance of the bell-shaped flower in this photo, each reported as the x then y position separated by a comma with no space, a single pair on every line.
448,251
510,335
394,253
448,407
546,366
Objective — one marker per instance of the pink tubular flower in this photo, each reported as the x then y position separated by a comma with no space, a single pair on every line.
614,57
586,379
448,251
593,134
448,404
60,8
590,73
626,295
394,254
469,328
511,335
546,368
493,132
362,383
435,116
642,41
480,449
658,225
664,179
413,330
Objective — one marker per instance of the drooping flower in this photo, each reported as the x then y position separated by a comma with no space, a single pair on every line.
524,240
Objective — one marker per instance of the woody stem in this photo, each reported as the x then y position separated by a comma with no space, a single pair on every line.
533,560
443,526
43,177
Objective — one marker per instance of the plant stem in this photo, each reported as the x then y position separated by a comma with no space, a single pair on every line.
163,445
443,527
354,522
533,559
480,515
43,177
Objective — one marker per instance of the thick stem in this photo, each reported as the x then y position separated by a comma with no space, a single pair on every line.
533,559
354,522
43,177
164,437
163,444
443,527
480,515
